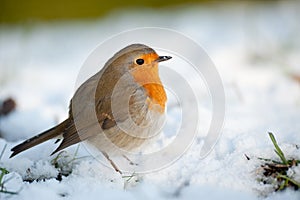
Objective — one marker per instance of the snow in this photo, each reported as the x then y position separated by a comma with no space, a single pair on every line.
255,49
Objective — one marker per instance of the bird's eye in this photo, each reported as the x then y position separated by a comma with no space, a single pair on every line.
139,61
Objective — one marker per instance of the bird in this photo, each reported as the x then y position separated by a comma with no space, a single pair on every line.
127,100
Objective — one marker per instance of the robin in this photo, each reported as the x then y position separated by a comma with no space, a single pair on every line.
127,99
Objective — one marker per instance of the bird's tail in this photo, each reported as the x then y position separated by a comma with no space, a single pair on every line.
40,138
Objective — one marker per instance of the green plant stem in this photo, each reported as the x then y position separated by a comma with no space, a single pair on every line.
7,192
3,172
277,149
289,179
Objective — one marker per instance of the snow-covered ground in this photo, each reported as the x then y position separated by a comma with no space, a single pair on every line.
256,49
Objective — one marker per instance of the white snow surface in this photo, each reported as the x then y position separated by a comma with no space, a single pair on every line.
255,48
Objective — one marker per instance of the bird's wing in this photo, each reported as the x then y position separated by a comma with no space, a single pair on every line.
95,107
83,128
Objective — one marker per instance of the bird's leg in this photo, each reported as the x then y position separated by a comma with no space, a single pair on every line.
130,161
111,162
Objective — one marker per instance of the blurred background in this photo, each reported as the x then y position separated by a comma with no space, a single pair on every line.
32,10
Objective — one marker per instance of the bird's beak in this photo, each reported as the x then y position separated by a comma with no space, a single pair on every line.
163,58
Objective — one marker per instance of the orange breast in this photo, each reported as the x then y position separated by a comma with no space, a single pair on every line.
148,77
